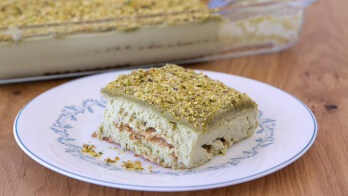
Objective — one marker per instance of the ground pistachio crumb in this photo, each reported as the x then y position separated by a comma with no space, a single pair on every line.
136,165
89,149
109,160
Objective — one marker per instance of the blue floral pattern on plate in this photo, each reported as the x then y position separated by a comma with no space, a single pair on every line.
63,125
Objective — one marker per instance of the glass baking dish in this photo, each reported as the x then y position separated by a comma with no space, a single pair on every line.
184,34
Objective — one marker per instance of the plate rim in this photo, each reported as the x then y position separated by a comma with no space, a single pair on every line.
164,188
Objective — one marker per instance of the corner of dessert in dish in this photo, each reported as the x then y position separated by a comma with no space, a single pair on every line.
42,37
175,117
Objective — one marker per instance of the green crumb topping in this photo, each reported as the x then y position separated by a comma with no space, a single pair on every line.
62,17
180,92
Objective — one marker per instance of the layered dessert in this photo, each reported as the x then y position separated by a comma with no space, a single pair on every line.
175,117
47,37
42,37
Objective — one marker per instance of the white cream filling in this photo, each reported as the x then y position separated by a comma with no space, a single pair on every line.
188,143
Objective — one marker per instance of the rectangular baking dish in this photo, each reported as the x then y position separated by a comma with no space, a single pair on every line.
79,47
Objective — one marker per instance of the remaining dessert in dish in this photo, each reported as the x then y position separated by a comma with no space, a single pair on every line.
65,36
42,37
174,116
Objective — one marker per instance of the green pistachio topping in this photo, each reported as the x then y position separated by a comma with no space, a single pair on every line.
181,92
61,17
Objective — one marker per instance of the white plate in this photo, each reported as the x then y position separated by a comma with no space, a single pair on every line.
52,128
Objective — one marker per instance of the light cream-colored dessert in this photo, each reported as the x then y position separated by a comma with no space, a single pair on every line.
174,116
42,37
46,37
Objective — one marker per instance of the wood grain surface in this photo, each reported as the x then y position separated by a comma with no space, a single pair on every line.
315,70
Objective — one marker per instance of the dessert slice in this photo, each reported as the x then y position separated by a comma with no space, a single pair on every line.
174,116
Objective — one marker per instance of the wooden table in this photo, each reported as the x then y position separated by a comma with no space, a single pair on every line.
315,70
